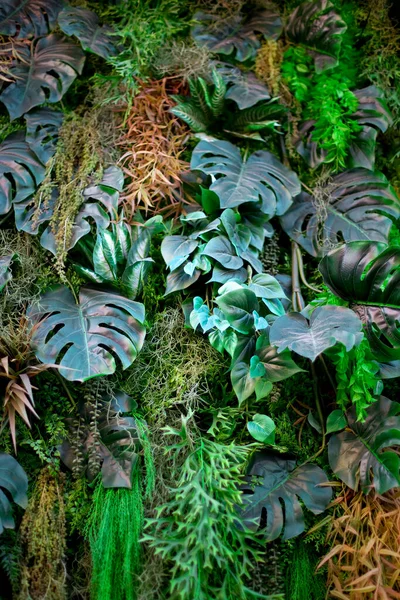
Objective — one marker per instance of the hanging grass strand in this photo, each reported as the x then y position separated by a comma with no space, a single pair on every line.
113,531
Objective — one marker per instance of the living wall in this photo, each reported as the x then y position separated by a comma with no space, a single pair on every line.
199,300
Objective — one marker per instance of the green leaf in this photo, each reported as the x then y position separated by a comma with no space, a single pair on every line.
13,479
280,482
357,454
86,338
5,269
238,307
175,249
236,182
262,428
266,286
221,249
367,275
336,421
243,383
246,89
360,206
84,24
326,326
43,72
105,258
238,234
30,18
263,389
209,200
277,366
180,280
42,126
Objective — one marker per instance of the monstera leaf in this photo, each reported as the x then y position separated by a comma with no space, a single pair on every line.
261,177
280,483
237,33
245,89
360,456
29,18
118,445
372,114
358,206
84,24
86,337
42,125
310,337
319,28
367,274
13,479
20,169
43,73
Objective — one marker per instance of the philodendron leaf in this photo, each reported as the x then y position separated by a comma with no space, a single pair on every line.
358,455
86,338
310,337
30,18
14,481
221,249
262,428
277,366
43,73
243,383
280,482
179,279
336,421
84,24
176,249
5,270
261,177
319,28
236,33
237,307
266,286
359,205
21,171
367,275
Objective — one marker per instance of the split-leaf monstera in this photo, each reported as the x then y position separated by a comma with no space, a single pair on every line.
260,178
84,24
43,73
30,18
279,480
237,34
367,275
13,479
356,205
86,337
361,454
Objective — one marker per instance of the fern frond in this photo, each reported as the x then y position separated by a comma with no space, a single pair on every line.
218,96
192,115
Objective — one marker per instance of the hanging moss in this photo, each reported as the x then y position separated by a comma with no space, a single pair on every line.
113,531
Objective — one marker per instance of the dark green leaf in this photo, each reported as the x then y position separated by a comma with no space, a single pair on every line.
180,280
28,18
221,249
42,125
43,73
262,428
277,366
336,421
357,454
84,24
280,481
13,479
238,306
87,337
5,270
242,382
246,90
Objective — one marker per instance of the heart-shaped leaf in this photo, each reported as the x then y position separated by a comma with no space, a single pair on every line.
319,28
261,177
262,428
20,169
357,454
280,482
29,18
367,274
13,479
237,307
221,249
336,421
236,33
85,338
326,326
42,73
358,205
84,24
277,366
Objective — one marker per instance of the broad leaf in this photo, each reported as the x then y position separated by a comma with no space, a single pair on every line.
118,445
180,280
5,270
280,484
261,177
84,24
14,481
319,28
43,73
266,286
42,125
221,249
28,18
20,171
277,366
175,249
336,421
360,455
262,428
243,383
237,307
246,89
237,33
326,326
86,338
368,276
359,205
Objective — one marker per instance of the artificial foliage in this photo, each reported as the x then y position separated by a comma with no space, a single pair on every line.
199,300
